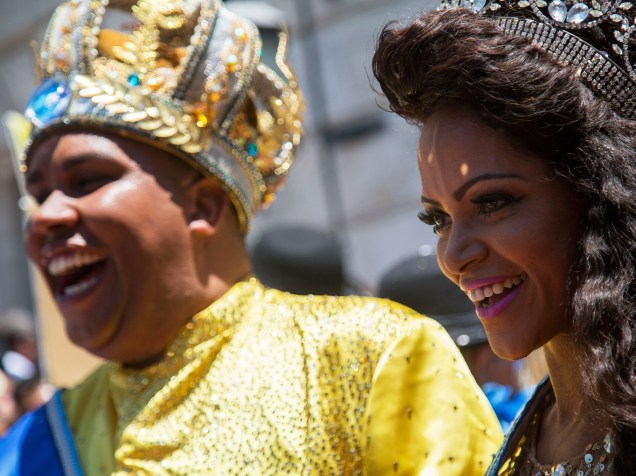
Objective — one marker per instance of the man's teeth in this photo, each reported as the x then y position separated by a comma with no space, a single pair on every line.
75,289
64,264
477,295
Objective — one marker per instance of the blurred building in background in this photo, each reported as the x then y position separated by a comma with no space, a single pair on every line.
356,172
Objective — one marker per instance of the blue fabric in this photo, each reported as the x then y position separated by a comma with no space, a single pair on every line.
506,403
28,448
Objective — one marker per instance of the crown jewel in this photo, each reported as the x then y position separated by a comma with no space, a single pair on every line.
184,75
597,38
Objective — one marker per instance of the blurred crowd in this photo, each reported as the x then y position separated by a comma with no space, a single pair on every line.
22,388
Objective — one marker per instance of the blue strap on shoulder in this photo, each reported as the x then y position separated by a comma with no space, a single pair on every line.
40,443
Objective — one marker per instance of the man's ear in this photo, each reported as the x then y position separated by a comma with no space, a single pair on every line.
209,206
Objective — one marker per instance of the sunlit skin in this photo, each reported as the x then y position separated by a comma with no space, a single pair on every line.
501,214
143,228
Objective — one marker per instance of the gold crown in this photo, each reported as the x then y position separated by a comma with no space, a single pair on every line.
183,75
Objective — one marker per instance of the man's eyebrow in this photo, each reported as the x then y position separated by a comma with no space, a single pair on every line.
76,160
461,191
68,163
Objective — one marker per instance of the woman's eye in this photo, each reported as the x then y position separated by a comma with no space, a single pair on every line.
439,221
491,204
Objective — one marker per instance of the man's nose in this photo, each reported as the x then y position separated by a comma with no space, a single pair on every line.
57,212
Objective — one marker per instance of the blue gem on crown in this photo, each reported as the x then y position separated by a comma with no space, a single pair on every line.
49,101
252,149
134,80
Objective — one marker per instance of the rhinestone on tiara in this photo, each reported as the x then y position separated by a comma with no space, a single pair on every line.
596,38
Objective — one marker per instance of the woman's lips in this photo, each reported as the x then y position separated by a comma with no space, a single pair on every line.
488,309
478,292
492,295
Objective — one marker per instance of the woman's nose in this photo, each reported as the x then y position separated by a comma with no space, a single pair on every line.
460,250
54,215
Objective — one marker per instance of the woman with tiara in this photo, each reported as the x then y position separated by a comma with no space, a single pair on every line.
527,156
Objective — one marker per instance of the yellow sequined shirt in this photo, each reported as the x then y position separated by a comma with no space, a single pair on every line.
267,383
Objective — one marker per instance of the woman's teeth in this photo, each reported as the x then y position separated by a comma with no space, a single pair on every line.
478,295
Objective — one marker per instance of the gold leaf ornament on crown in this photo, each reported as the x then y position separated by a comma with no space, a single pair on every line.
183,75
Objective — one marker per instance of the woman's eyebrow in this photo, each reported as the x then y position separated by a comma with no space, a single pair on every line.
429,201
461,191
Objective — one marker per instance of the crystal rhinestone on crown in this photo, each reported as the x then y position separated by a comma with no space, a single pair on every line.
597,37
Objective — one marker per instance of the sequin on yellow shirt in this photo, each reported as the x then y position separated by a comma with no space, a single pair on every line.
266,383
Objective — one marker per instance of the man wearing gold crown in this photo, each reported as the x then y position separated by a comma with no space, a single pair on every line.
158,133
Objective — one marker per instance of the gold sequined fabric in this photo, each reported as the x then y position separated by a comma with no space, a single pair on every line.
267,383
596,459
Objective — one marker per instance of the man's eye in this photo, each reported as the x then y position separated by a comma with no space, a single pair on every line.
91,183
39,197
439,221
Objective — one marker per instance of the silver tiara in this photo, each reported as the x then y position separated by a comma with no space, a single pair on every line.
597,38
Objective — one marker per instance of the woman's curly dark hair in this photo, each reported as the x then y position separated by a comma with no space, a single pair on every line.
457,56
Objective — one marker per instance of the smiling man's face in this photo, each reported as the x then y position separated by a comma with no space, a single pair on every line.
111,238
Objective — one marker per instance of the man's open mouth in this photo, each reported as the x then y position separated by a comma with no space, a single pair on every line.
73,273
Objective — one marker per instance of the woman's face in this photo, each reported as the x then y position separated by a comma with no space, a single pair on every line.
507,228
